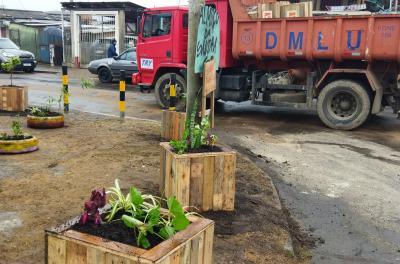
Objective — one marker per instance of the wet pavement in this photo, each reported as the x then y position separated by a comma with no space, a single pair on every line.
342,187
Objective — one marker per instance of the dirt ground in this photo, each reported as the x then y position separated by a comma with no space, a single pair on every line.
47,187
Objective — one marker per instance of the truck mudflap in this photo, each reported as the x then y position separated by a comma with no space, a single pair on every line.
373,81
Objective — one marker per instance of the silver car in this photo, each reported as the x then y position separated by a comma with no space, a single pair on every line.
109,68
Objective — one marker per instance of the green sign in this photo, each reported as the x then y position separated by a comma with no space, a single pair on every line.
207,46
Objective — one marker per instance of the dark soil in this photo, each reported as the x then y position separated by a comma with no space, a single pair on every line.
45,113
115,231
205,149
13,138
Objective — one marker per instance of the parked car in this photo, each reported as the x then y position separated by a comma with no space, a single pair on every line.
9,49
109,68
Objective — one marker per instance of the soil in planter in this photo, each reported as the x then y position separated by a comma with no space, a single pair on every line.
115,231
203,149
13,138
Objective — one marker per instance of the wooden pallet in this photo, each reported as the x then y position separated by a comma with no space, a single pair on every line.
193,245
203,180
13,98
172,125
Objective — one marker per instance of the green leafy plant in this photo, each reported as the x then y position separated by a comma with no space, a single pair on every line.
144,215
86,83
195,135
16,127
10,65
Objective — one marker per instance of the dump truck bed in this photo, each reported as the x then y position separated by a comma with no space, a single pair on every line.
339,38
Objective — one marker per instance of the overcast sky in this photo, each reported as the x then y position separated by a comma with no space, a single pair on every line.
49,5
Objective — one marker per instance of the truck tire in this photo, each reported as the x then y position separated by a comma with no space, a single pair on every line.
161,91
344,104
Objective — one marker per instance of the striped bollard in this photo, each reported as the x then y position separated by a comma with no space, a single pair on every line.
172,92
65,88
122,94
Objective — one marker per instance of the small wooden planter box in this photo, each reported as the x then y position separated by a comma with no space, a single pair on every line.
203,180
172,125
193,245
13,98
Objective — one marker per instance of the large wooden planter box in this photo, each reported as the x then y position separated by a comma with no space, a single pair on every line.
172,125
13,98
193,245
203,180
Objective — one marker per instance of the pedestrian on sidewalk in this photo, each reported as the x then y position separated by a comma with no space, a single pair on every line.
112,50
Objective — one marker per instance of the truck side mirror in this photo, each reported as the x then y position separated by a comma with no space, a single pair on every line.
139,25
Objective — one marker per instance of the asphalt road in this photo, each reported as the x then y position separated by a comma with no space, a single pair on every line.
342,187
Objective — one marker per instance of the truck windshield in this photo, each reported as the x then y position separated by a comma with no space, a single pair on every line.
7,44
157,25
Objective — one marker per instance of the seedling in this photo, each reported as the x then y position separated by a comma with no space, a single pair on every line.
18,134
10,65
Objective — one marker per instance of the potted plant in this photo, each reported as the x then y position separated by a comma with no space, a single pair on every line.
196,170
45,116
18,142
12,97
132,228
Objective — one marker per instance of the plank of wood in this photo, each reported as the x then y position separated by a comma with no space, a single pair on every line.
56,250
182,119
114,259
169,174
182,181
197,246
163,154
218,182
208,245
95,256
196,182
76,253
208,183
176,126
228,190
209,78
163,120
185,254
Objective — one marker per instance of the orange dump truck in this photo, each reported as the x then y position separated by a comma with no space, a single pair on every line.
348,65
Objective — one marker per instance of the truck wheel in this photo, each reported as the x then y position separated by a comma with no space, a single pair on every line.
161,91
344,104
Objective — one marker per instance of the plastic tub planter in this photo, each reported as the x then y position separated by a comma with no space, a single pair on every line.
192,245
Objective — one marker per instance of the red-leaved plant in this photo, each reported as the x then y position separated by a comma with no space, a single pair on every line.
92,213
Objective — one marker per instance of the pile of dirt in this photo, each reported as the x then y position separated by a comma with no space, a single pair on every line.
48,187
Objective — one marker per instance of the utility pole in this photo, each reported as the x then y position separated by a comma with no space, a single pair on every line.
193,79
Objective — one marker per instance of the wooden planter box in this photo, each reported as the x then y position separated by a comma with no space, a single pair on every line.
172,125
13,98
45,122
192,245
203,180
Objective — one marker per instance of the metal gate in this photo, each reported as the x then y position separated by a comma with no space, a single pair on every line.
96,34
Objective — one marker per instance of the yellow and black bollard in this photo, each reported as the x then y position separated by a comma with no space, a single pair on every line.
172,92
65,87
122,94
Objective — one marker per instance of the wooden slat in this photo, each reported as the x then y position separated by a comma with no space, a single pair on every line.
185,254
163,120
228,186
13,98
163,154
208,245
182,180
208,183
76,253
168,174
196,182
218,183
95,256
197,246
114,259
56,250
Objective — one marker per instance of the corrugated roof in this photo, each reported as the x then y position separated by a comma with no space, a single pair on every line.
27,14
127,6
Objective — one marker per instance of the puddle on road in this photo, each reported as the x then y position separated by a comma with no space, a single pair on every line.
9,221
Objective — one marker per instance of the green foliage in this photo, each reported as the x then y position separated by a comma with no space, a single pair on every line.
143,214
10,65
16,127
86,83
195,135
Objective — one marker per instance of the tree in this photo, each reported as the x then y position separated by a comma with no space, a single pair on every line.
10,65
